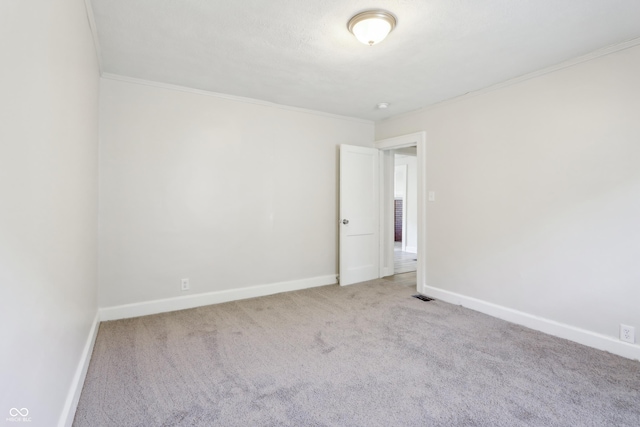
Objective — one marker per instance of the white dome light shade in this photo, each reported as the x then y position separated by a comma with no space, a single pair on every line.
371,31
371,27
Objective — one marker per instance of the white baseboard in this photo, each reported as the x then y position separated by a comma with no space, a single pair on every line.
70,405
551,327
411,249
198,300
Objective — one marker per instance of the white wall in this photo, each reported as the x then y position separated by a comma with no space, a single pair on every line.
229,194
538,194
399,181
410,187
48,204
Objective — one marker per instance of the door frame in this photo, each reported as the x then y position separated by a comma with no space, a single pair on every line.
387,169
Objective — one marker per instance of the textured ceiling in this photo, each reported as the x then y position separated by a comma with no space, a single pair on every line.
299,52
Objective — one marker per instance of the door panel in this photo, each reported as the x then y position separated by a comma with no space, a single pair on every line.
359,209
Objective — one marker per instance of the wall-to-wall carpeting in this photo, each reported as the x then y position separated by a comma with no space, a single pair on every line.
363,355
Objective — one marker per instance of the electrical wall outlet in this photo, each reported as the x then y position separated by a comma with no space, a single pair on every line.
627,333
184,284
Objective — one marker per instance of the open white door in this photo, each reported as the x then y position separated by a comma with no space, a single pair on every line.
359,210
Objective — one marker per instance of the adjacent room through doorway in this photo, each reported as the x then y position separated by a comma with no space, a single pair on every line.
405,210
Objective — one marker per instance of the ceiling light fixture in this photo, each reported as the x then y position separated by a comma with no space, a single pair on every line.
372,26
383,105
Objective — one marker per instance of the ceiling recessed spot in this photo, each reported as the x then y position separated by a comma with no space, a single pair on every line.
383,105
372,26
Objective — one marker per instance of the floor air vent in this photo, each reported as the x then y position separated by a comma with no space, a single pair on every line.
422,297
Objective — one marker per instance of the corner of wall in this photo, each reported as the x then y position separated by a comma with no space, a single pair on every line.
73,396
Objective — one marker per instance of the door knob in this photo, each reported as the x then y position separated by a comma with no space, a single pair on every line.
345,221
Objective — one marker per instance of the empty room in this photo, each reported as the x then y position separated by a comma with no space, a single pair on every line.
320,213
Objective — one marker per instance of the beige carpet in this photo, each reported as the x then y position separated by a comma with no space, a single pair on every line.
363,355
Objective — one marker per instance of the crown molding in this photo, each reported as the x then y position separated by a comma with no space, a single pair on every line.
133,80
548,70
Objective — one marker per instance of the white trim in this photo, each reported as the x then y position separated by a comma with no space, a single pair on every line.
551,327
190,301
404,215
73,396
387,238
402,141
94,33
418,139
405,196
557,67
235,98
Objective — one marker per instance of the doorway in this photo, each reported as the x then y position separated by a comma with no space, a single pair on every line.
416,143
405,205
367,243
